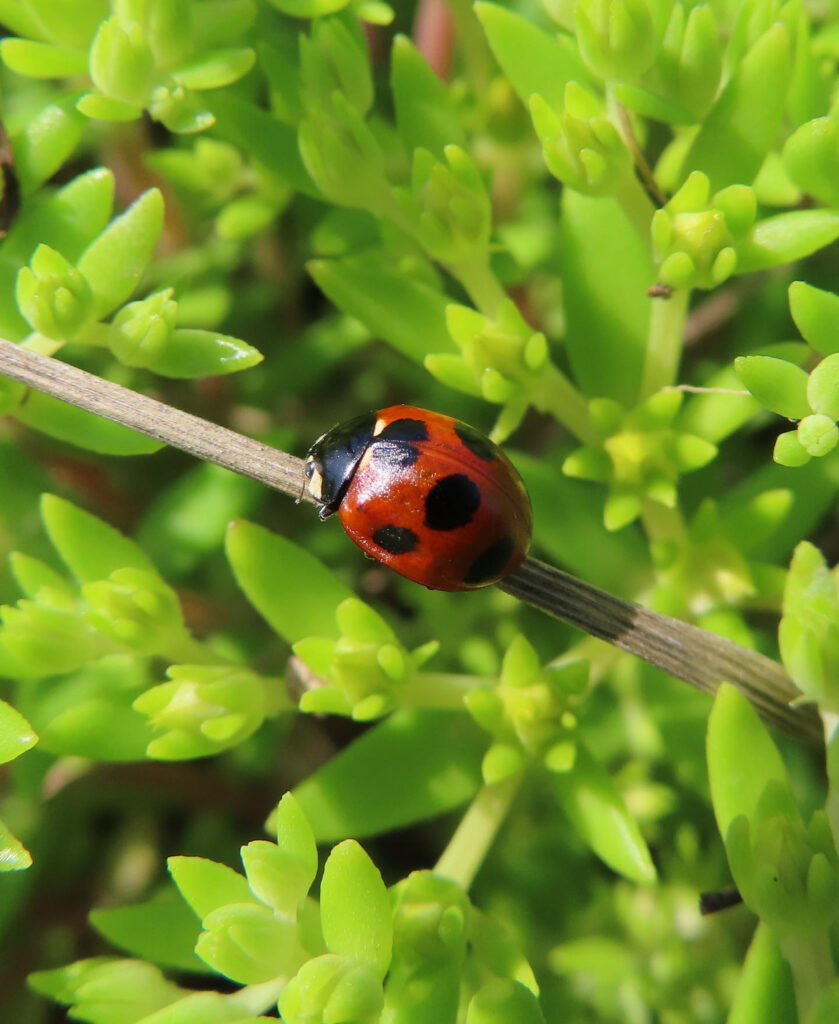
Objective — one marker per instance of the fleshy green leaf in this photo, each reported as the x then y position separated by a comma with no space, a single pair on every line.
197,353
164,930
742,757
355,908
743,123
502,1000
426,116
100,728
75,426
764,991
16,734
114,262
533,61
107,108
294,592
13,854
596,809
206,885
434,765
269,143
785,238
46,143
816,315
90,548
823,387
188,520
281,874
776,384
42,60
214,68
309,8
606,327
395,306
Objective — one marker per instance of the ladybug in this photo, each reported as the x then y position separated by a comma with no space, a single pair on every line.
425,494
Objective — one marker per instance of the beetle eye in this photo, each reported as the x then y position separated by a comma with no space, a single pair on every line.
309,469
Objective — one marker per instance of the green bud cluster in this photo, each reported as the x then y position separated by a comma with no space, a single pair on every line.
581,147
704,570
205,709
448,206
502,359
145,57
135,608
790,391
148,55
48,636
811,157
528,713
686,73
364,668
344,157
141,331
439,939
60,626
695,235
54,297
809,631
340,149
617,38
786,871
333,60
63,302
641,455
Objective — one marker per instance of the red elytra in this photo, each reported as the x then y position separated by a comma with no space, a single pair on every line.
425,494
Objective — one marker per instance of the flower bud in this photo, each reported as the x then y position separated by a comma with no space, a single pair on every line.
695,235
135,608
207,708
617,38
121,63
332,61
332,988
364,668
581,146
55,298
344,157
449,207
140,332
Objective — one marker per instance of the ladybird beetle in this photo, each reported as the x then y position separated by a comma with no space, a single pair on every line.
425,494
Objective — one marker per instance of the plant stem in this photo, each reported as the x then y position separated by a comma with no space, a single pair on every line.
186,650
831,740
439,689
553,393
812,967
637,206
664,342
484,288
662,523
463,856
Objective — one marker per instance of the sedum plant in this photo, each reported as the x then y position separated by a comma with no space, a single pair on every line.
604,231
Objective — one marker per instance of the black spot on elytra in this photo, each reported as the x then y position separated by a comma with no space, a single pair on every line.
476,442
398,454
397,540
404,430
490,563
452,502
